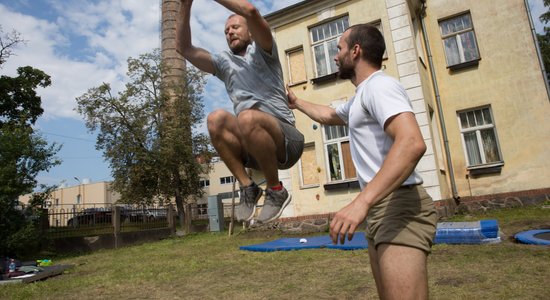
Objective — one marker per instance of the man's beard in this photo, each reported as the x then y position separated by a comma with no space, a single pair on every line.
346,71
240,47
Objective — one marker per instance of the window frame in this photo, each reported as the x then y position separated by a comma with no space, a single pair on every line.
227,180
288,53
204,183
342,165
324,42
458,41
202,209
479,140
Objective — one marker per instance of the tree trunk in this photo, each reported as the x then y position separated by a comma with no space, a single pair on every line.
188,218
179,205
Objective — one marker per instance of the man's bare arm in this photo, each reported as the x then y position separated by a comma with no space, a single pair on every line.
320,113
199,57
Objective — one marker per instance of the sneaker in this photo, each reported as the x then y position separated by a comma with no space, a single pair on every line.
274,204
247,203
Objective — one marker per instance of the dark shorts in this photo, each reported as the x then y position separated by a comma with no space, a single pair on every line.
405,217
294,144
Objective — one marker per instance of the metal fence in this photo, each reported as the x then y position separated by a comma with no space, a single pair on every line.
95,219
79,220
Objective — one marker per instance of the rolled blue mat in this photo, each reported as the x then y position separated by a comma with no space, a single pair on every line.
478,232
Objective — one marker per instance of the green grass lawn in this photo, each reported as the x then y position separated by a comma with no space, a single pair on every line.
211,266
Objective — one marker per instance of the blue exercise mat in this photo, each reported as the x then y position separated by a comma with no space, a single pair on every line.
286,244
478,232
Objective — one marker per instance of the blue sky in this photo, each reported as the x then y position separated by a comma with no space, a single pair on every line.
82,44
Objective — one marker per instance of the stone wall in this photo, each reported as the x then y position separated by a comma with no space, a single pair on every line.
503,200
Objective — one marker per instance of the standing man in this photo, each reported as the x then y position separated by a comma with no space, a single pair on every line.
261,135
386,145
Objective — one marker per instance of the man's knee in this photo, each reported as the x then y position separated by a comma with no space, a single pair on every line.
248,120
216,120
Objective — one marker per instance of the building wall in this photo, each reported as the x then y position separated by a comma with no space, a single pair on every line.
219,170
508,78
292,30
96,194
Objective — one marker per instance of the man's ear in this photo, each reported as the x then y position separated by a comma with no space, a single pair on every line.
356,51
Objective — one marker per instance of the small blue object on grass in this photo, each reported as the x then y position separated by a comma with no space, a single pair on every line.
534,237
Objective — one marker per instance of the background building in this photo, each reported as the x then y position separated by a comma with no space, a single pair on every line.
86,194
474,78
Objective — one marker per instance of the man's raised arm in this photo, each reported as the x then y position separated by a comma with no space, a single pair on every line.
320,113
257,25
199,57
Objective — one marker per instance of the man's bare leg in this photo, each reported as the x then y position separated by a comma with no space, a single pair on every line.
264,140
373,258
227,140
403,272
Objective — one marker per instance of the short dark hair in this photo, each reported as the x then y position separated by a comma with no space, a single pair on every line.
370,40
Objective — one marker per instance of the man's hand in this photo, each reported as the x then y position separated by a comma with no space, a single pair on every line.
347,220
292,99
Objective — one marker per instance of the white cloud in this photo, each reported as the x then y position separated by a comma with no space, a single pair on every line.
108,33
88,43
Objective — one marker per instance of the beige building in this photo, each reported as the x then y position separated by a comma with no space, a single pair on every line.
472,74
87,194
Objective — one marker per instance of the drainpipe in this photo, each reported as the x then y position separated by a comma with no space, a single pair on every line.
539,55
439,107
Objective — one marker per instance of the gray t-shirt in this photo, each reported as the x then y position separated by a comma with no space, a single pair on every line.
255,79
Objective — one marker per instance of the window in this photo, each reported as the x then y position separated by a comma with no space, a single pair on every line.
227,179
337,153
296,66
204,183
78,198
309,170
459,40
479,137
324,40
202,209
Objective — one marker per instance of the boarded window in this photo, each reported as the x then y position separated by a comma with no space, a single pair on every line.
310,175
296,66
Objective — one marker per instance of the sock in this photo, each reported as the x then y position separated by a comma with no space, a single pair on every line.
277,187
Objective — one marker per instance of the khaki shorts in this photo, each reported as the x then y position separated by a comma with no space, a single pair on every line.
294,144
405,217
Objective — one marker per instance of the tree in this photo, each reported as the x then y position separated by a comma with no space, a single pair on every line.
544,39
7,43
23,152
146,132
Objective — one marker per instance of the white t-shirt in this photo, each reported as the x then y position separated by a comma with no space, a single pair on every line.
377,98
